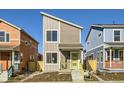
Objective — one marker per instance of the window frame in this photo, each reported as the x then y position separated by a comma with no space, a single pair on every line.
5,33
115,30
51,53
3,36
46,30
6,36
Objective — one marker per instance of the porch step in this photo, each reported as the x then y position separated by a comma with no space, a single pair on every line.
77,76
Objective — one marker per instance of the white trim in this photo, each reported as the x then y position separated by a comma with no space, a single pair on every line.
51,30
59,42
103,35
95,47
45,14
52,63
43,33
59,32
80,37
10,24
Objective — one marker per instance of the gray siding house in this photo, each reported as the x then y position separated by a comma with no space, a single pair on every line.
62,47
105,43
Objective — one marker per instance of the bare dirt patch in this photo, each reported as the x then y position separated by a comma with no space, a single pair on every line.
51,77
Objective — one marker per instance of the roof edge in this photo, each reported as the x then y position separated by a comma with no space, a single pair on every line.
59,19
18,28
10,24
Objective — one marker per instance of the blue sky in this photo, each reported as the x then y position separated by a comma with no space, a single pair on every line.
31,20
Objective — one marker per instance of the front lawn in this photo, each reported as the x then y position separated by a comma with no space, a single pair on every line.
51,77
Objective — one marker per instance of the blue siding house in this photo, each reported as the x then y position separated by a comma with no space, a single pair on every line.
105,43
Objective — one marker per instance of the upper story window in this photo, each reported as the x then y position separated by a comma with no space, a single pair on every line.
7,37
4,37
116,35
51,35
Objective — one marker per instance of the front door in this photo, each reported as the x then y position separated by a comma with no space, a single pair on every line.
16,61
74,60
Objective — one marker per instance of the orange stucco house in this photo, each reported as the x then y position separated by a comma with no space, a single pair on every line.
17,48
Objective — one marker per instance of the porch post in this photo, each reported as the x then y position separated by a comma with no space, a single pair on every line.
70,59
110,50
13,58
104,57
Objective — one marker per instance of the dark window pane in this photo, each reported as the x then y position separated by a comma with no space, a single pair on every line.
49,38
48,57
54,35
116,53
54,57
1,39
1,33
116,35
7,37
116,32
117,38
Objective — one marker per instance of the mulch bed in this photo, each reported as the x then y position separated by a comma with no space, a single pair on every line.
51,77
113,76
90,78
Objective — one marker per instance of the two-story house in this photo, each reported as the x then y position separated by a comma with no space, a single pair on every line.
62,47
105,43
17,48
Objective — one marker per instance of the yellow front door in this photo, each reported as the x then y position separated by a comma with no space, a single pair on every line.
74,60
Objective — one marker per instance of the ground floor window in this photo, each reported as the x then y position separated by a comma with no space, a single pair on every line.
51,58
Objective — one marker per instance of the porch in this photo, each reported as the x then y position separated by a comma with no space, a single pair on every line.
71,56
9,60
114,58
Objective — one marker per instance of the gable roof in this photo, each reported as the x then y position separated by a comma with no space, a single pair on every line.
104,26
18,28
56,18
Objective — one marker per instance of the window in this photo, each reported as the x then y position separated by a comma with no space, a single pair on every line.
116,35
51,36
7,37
2,36
51,58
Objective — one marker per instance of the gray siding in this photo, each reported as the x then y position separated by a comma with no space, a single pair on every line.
49,23
69,34
109,33
94,39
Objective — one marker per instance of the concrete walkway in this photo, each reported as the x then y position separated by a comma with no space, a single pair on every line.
97,77
76,76
31,76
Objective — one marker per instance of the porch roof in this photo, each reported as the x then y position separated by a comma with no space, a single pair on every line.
8,47
70,46
113,44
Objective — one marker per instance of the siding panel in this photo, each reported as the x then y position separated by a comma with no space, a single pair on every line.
94,39
69,34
